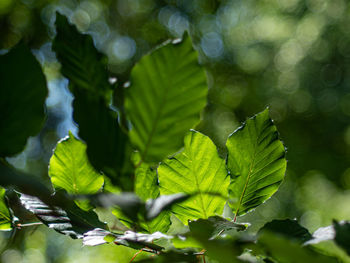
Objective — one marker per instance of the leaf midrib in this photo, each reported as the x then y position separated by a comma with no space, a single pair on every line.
248,178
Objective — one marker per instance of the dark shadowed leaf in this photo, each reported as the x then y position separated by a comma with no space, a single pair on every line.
256,161
288,228
198,170
167,93
82,64
85,68
5,214
342,235
22,97
282,249
214,226
71,220
173,257
24,182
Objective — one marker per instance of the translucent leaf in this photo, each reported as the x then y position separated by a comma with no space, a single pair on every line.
197,170
71,170
70,220
256,161
167,93
5,214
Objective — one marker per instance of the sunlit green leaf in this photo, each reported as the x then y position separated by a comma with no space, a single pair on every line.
146,187
256,161
22,97
167,93
199,170
70,169
5,214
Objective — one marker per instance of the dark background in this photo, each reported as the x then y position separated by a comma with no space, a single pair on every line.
290,55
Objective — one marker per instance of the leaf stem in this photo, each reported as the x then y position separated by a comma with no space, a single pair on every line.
19,226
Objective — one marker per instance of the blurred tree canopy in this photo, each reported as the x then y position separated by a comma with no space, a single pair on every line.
290,55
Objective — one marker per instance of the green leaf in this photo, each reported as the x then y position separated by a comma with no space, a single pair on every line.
70,220
167,93
171,256
23,92
342,235
86,70
288,228
70,169
284,250
82,64
256,161
214,226
5,214
152,214
198,170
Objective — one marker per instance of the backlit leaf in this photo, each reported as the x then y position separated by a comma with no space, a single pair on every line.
256,161
5,214
197,170
70,169
167,93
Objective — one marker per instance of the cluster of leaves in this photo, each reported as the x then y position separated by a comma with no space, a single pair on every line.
136,156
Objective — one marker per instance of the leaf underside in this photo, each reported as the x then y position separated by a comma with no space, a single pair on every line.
256,161
70,168
167,93
198,170
70,220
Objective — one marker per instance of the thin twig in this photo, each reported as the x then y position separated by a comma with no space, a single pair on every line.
19,226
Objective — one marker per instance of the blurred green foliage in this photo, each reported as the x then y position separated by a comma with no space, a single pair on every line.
290,55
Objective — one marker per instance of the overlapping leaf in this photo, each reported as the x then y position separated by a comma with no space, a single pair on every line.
167,93
198,170
146,187
288,228
152,215
5,214
256,161
70,220
22,97
85,68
